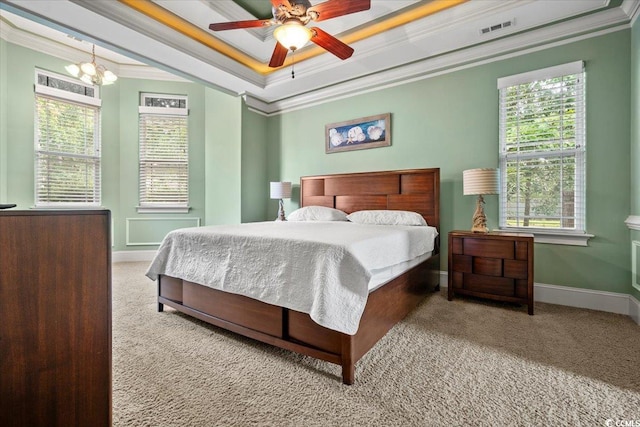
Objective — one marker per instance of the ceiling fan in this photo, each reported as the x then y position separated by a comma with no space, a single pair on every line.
292,16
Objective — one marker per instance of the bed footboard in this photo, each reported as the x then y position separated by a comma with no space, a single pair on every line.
295,331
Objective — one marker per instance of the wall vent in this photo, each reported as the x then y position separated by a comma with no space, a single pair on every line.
497,27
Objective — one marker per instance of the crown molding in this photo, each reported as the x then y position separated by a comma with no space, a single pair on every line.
230,10
278,93
233,12
392,42
148,73
156,33
49,47
632,9
5,28
611,20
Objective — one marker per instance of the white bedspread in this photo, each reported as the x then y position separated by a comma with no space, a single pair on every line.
319,268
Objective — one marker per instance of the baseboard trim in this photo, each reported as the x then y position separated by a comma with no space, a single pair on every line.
611,302
634,309
582,298
133,256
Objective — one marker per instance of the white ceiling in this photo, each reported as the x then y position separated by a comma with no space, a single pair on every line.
135,45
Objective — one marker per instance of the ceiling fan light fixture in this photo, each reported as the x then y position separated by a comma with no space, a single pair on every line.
292,34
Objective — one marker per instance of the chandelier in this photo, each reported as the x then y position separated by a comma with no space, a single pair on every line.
92,73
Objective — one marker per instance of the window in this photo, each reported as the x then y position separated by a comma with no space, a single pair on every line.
164,157
542,152
67,142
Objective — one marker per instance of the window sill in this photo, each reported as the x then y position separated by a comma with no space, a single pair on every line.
162,209
555,238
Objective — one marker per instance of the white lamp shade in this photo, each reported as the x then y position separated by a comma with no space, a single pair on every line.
280,190
292,35
480,181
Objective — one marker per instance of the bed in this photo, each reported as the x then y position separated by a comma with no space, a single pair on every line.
415,190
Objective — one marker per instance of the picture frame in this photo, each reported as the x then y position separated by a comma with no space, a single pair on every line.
358,134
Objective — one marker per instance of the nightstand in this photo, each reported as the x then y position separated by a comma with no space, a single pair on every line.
495,265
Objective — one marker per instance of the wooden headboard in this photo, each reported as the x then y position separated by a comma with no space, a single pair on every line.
416,190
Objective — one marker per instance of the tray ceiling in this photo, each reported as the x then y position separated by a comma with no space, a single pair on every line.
394,41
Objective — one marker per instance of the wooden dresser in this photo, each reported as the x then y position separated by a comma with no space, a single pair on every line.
495,265
55,308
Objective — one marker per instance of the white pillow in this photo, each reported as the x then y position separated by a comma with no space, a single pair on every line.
317,213
387,218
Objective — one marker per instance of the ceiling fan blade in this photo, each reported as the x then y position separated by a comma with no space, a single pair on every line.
278,3
221,26
279,55
332,8
330,43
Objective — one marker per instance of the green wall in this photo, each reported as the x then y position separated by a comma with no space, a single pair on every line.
448,121
635,135
451,121
214,148
255,182
223,156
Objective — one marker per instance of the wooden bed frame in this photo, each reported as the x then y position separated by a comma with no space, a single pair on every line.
415,190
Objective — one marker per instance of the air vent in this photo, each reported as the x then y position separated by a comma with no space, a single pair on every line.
497,27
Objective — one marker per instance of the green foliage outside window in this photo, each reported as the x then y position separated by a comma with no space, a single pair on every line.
540,151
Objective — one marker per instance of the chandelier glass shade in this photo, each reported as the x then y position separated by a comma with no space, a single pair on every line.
92,73
292,34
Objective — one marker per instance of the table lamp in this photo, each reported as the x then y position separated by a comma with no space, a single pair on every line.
281,190
480,181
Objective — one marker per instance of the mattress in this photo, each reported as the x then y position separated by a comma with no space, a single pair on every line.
324,269
382,276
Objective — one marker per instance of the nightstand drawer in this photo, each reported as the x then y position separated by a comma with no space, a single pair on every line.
480,265
503,249
488,284
462,263
515,269
522,289
487,266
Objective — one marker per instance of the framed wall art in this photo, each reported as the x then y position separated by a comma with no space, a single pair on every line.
359,134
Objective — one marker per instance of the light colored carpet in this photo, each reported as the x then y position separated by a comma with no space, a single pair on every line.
464,362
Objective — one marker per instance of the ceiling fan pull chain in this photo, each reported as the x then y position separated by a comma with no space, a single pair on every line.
293,61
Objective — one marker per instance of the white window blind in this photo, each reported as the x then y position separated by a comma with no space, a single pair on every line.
164,157
542,150
67,143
